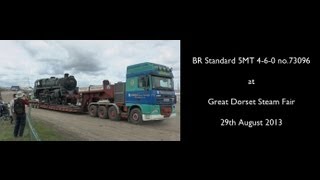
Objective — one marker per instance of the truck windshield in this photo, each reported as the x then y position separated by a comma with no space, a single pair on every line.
162,83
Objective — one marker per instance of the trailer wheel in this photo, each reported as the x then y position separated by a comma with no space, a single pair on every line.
93,111
112,113
135,116
103,112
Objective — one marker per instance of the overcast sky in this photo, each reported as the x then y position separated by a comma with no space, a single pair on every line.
23,62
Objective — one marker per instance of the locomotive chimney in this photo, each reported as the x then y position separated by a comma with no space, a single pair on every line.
66,75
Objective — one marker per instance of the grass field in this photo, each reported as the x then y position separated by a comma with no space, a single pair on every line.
45,131
6,132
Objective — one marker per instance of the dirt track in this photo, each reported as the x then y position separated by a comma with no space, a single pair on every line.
87,128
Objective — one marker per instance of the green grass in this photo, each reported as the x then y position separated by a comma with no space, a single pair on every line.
6,132
45,131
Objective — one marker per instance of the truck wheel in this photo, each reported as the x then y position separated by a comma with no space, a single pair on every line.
135,116
93,111
112,113
103,112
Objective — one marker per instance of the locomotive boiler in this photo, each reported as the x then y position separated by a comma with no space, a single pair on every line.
61,91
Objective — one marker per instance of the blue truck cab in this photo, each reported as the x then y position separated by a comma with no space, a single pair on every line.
149,92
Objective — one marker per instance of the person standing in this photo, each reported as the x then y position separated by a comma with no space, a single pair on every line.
20,113
12,115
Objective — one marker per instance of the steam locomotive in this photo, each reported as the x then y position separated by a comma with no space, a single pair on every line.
61,91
